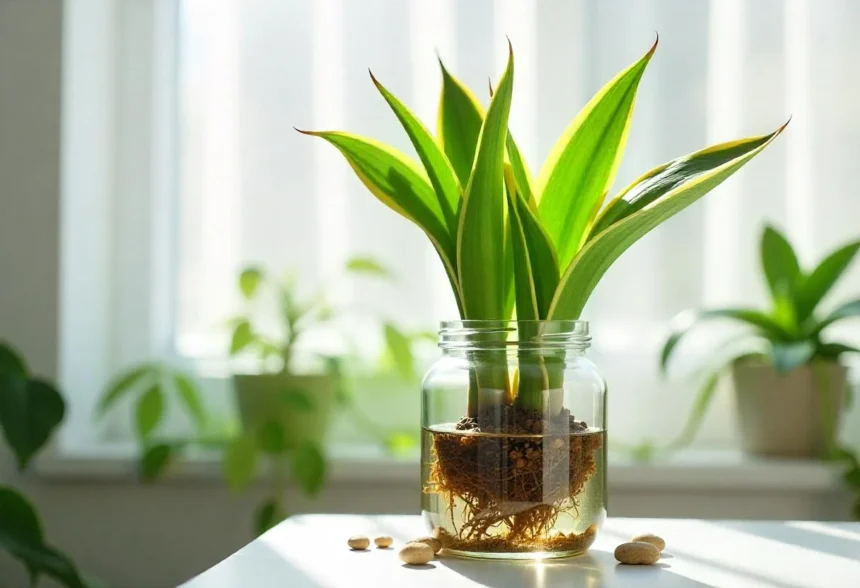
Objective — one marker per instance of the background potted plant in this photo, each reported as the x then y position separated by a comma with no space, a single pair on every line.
788,379
507,241
31,409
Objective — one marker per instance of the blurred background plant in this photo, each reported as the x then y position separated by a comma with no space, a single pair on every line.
31,409
291,376
790,383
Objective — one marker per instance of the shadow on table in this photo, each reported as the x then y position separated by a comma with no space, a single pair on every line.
847,545
594,569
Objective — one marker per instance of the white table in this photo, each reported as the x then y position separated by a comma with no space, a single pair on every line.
311,551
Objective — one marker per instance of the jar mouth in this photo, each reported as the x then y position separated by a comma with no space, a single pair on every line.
499,334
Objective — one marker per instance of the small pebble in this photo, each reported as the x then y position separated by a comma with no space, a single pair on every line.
383,542
637,553
652,539
358,542
416,553
432,542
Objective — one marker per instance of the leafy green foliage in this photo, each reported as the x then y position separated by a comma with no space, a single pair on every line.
270,438
789,326
400,349
481,230
458,124
540,246
249,281
240,462
242,337
308,467
367,266
441,175
155,460
21,535
297,400
149,411
581,167
268,514
11,362
30,411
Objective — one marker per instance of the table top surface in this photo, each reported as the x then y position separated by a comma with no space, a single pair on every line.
311,551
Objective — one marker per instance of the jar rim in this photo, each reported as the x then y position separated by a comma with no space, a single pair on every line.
495,334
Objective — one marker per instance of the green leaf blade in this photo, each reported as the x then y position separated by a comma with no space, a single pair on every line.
658,182
267,515
684,322
400,350
308,467
242,337
123,385
781,270
240,462
436,164
189,396
524,279
822,279
399,184
249,281
589,265
367,266
582,165
155,460
149,411
11,361
458,124
30,411
481,232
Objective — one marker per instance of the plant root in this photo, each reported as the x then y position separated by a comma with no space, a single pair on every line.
514,473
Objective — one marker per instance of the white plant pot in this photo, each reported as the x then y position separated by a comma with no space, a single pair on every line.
781,415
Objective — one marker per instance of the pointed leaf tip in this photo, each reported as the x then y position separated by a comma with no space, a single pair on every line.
654,46
304,132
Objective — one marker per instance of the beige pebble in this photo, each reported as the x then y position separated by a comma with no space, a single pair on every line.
652,539
433,542
383,542
358,542
637,553
416,553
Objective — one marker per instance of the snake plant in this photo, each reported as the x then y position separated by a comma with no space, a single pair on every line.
508,239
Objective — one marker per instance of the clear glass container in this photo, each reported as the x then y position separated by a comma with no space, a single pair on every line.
513,440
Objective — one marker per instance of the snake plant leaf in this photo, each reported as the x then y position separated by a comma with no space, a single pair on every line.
657,182
685,321
538,246
402,186
481,233
781,269
458,124
822,279
522,174
524,278
436,164
589,265
582,165
847,310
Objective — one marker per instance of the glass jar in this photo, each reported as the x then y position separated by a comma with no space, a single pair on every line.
513,440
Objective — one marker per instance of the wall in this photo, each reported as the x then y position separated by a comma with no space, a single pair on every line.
131,535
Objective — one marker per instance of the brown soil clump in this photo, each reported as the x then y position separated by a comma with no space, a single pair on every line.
515,472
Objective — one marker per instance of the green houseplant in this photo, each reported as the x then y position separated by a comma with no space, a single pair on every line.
787,375
539,246
31,409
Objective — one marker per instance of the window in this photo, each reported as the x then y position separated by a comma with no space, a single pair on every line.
225,180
